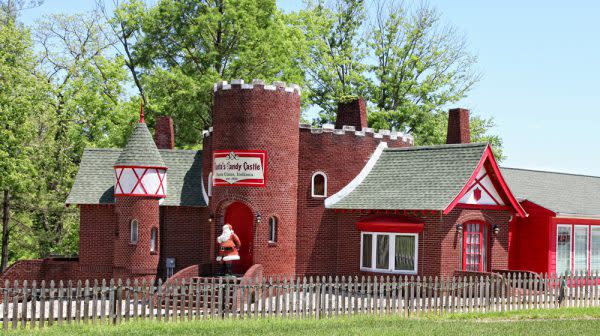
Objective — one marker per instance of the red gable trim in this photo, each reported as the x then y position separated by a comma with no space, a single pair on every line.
488,156
389,224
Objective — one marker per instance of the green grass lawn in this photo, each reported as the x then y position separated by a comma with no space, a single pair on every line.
583,321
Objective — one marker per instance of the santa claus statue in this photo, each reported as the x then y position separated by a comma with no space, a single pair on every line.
229,246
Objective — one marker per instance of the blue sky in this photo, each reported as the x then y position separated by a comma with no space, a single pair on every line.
540,66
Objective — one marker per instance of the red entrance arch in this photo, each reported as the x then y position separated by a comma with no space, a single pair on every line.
240,216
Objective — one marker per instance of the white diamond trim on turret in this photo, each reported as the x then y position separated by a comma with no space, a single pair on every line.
140,181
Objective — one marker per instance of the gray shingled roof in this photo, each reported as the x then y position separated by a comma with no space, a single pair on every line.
559,192
415,178
140,150
95,180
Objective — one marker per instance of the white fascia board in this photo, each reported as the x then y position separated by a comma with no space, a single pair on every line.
204,194
350,187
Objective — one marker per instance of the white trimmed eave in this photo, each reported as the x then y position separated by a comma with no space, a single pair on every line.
350,187
204,194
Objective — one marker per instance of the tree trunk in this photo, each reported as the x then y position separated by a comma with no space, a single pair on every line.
5,232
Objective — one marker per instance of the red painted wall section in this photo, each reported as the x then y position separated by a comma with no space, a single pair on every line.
529,242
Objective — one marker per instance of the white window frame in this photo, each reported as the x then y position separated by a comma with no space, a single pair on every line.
391,254
591,242
587,247
312,184
133,239
570,227
274,234
210,184
153,239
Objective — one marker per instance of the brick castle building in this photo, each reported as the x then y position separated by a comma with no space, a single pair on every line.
341,199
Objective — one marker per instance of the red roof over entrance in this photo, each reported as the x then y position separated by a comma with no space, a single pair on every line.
390,224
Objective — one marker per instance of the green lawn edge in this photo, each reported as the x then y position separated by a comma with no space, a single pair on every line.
564,321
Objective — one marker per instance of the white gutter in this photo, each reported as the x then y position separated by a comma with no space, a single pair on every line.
345,191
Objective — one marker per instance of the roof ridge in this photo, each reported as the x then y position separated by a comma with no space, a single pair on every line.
167,150
433,147
551,172
103,149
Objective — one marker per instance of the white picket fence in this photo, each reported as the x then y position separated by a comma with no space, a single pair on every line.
37,305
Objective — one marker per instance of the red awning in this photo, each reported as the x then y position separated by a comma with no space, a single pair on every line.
390,224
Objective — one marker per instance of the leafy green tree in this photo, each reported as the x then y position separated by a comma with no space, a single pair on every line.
86,89
22,95
179,49
335,66
421,67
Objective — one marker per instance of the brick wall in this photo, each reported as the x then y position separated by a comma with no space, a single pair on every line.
341,157
353,113
164,136
440,245
263,119
97,233
184,235
459,130
136,260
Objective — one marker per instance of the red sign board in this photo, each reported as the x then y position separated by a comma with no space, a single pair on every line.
239,168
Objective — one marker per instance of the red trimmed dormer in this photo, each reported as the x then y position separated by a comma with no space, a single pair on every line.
487,189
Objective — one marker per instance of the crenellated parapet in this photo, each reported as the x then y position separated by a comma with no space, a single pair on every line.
256,84
383,134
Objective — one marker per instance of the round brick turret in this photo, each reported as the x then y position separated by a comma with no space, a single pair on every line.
261,117
140,183
135,259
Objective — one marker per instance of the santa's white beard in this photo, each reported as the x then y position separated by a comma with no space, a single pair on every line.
225,236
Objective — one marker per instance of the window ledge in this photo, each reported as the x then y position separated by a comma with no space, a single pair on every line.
371,270
272,244
319,196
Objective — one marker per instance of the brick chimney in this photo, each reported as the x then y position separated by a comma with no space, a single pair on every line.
353,113
164,137
459,130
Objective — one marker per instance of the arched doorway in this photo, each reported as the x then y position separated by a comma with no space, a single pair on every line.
240,216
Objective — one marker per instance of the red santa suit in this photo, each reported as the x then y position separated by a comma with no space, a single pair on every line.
229,245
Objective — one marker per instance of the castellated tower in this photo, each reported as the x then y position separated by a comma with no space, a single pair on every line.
261,119
140,183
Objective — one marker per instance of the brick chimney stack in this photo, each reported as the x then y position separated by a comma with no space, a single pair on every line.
164,137
352,113
459,130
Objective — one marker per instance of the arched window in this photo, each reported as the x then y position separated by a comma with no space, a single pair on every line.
319,185
133,230
273,229
153,239
210,183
